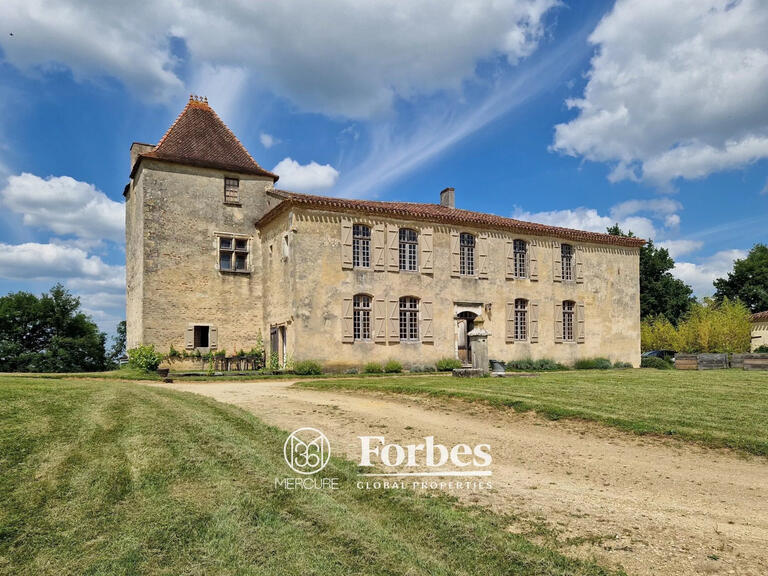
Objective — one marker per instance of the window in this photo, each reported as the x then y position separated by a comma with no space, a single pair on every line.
409,318
568,309
520,248
521,319
362,317
409,241
361,246
233,254
467,254
202,336
566,257
231,191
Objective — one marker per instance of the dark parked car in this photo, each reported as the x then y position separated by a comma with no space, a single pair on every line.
664,354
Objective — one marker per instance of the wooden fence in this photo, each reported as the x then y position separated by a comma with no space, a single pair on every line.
721,361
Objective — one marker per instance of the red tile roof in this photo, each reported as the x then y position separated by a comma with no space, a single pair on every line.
199,137
760,317
442,214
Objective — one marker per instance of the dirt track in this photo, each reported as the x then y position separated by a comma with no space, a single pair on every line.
652,506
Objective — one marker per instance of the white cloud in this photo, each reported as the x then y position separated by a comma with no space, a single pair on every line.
334,57
224,86
656,206
267,140
675,90
589,219
305,177
65,206
700,276
678,248
34,261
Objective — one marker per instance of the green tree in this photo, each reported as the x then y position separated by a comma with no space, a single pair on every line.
48,334
748,282
118,343
661,294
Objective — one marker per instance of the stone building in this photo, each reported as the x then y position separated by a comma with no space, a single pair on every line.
217,257
759,330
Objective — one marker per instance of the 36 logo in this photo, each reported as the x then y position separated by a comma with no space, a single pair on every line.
307,451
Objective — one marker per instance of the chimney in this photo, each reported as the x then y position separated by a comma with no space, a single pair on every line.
137,148
448,198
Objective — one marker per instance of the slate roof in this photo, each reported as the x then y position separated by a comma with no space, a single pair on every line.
440,214
199,137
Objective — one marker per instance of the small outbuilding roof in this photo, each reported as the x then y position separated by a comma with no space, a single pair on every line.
760,317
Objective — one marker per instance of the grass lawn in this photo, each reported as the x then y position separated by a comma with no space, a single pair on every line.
717,408
109,477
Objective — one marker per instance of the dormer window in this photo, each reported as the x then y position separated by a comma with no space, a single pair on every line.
231,191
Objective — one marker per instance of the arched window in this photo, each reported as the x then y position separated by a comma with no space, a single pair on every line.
521,319
361,246
566,257
361,305
569,306
466,254
520,248
409,242
409,318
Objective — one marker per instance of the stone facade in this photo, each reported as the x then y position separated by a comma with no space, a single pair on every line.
298,284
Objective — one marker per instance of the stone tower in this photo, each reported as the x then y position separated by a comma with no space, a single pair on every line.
193,255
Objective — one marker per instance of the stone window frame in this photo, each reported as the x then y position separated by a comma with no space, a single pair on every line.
467,244
238,249
409,318
569,321
567,262
521,320
408,250
361,246
520,255
232,191
362,306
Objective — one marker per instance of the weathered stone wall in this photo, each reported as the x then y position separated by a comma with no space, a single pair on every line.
759,335
308,289
174,215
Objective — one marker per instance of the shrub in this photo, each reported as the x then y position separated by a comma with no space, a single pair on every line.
174,354
393,367
540,365
653,362
373,368
418,369
761,349
144,358
274,362
447,364
592,364
307,367
622,365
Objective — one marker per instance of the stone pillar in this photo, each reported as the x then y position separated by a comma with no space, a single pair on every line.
478,341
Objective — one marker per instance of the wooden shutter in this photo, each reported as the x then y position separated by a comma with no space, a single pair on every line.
579,256
346,244
510,323
379,320
213,337
455,269
557,264
533,261
580,324
394,321
393,247
482,251
189,338
427,332
559,322
510,267
533,322
427,251
379,239
347,321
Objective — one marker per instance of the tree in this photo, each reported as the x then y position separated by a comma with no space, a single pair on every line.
748,282
118,343
660,292
48,334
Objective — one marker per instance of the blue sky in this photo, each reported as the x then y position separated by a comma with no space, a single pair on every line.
651,113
